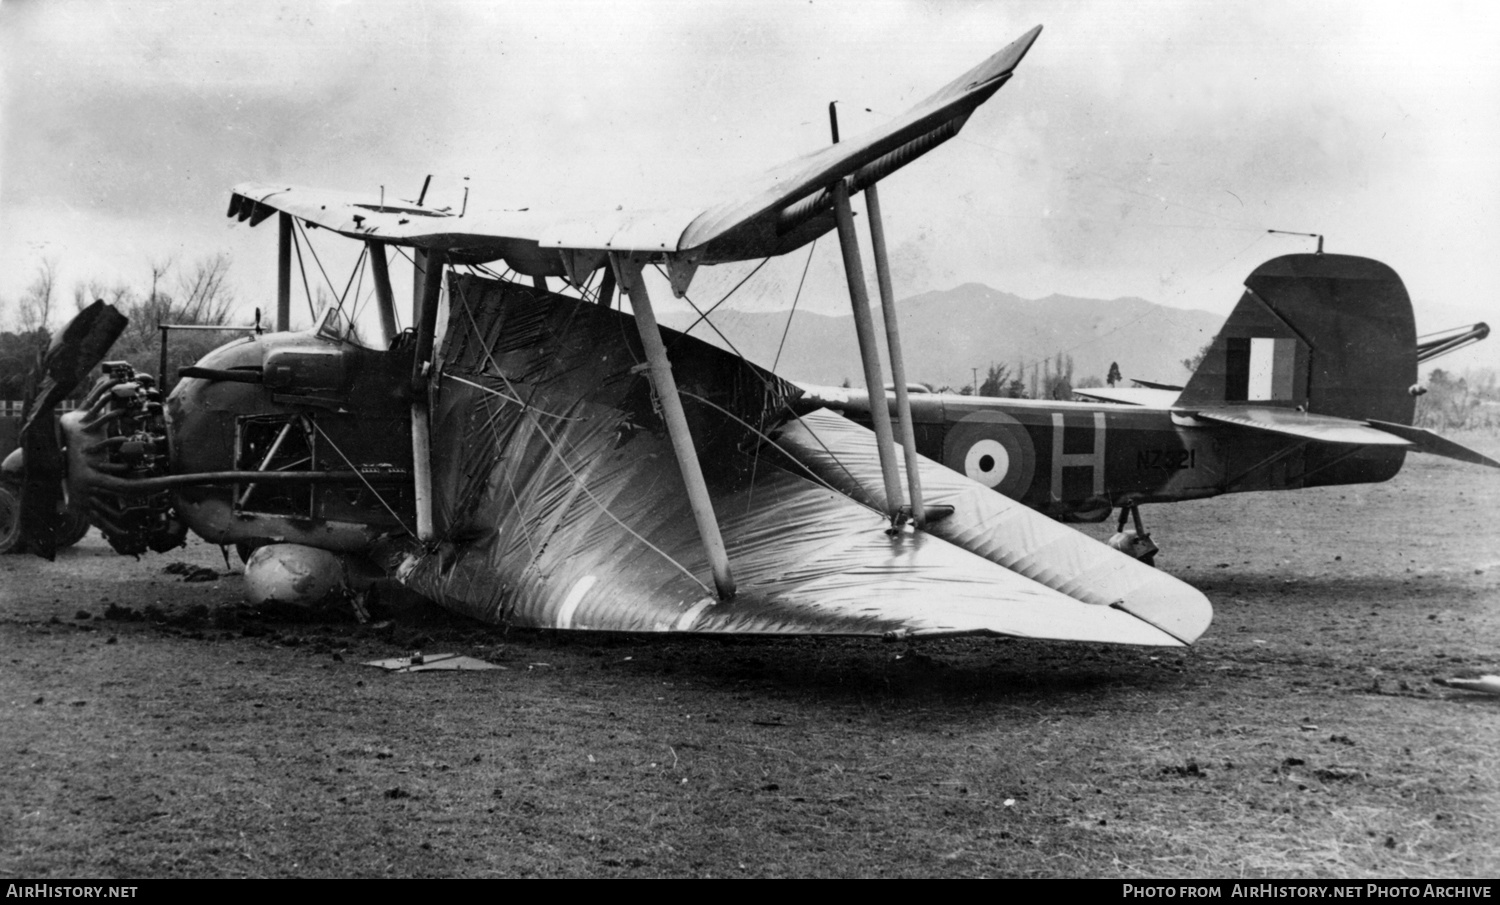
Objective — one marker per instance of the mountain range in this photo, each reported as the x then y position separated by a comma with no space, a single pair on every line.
946,335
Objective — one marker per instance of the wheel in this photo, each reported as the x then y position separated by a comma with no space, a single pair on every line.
74,525
10,518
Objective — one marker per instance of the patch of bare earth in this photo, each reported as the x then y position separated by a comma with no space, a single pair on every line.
153,726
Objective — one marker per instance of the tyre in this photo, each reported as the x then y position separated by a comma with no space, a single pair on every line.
73,528
10,518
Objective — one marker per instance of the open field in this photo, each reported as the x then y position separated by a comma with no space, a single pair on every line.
156,727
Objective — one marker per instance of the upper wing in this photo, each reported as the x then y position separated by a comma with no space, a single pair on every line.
773,214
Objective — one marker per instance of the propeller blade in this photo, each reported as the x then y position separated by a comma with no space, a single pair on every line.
76,350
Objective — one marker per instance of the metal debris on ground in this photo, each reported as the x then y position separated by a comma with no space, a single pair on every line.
418,662
1486,684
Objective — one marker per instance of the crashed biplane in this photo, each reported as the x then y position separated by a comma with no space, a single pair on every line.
543,459
1312,381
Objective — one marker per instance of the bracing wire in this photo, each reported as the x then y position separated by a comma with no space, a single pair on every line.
399,520
312,315
562,460
703,315
319,261
795,299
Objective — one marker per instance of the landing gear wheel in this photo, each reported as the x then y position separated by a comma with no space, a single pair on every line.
1136,542
74,526
10,519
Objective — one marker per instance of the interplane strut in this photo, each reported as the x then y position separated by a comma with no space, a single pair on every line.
869,352
627,269
893,345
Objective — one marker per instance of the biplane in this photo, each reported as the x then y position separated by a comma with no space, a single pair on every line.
1312,381
544,458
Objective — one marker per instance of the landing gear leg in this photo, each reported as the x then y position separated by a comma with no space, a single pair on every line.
1135,542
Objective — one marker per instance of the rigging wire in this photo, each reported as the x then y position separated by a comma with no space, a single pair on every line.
703,315
771,442
312,315
795,299
319,261
359,270
400,521
358,289
530,412
512,399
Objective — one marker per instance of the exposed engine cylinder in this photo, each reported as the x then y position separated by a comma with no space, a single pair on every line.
122,432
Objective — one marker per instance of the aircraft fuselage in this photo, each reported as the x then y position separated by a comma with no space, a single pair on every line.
1077,460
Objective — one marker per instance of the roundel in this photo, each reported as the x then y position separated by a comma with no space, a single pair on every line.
993,449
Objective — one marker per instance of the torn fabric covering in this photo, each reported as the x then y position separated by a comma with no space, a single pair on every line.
558,501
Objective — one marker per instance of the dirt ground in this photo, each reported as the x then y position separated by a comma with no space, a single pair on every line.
155,726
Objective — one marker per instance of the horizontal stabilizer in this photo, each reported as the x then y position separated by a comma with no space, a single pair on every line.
1428,442
1320,428
1143,396
1153,385
1004,532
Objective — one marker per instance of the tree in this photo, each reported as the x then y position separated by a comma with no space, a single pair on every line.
996,380
35,308
18,355
204,299
1056,380
1453,403
1114,374
198,296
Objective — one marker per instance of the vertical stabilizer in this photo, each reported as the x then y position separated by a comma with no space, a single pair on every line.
1328,334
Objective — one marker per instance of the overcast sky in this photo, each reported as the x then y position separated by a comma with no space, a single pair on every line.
1141,150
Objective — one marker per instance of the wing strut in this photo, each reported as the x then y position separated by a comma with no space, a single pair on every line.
628,274
869,353
893,345
384,298
430,275
283,276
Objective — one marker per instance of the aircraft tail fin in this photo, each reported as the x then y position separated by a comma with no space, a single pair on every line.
1321,333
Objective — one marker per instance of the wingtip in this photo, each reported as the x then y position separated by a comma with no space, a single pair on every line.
1024,42
1016,50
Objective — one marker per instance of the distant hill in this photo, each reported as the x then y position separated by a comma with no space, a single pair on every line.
946,334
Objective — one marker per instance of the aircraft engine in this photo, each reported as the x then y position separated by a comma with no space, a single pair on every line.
119,434
295,575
